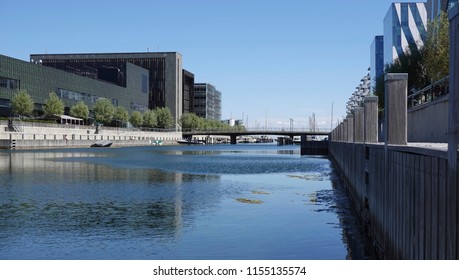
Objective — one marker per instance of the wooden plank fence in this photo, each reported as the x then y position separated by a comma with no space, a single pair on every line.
402,194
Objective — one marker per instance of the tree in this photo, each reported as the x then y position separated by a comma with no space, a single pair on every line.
22,104
190,121
103,110
136,118
121,115
436,48
53,105
164,117
80,110
149,118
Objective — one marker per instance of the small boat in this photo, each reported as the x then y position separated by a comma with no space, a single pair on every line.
102,143
191,142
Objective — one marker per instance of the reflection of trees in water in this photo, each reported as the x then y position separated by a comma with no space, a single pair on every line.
60,191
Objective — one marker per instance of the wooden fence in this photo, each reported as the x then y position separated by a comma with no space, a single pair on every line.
402,194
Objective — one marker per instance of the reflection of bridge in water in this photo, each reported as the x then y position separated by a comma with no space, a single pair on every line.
233,134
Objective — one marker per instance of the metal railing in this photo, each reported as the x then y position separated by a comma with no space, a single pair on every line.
429,93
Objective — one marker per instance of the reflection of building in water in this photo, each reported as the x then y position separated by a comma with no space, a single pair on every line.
68,192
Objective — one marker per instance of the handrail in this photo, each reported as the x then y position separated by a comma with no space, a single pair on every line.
429,93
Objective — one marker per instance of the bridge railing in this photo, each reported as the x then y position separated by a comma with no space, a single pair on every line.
254,130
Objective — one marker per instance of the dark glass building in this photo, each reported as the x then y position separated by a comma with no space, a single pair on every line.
207,101
164,82
188,91
39,81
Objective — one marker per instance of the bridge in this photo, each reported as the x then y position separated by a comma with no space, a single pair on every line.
233,133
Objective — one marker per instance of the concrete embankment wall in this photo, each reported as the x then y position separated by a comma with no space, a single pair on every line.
429,122
403,196
35,135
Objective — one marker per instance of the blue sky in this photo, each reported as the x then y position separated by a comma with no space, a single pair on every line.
272,60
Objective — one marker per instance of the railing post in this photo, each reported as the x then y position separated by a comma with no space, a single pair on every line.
358,124
345,130
396,90
370,115
350,128
453,131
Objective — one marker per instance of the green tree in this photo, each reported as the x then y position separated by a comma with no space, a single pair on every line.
136,119
80,110
121,115
22,104
164,118
412,63
436,48
103,110
53,105
190,121
149,118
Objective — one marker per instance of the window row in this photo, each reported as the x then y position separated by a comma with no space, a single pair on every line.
9,83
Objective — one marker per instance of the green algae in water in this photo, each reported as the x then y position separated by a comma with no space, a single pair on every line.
260,192
249,201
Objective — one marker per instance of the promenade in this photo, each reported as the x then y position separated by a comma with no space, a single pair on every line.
28,135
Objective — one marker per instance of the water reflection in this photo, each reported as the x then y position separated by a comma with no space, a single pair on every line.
176,203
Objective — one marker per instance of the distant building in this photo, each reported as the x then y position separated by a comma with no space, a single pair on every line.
188,92
39,81
404,24
164,81
377,60
207,101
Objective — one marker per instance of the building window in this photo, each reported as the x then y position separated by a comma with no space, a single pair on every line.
9,83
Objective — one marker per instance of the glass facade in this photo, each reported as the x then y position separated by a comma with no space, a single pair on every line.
207,101
404,24
164,72
188,92
39,81
377,59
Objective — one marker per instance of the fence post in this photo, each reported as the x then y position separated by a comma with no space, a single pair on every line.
453,132
358,124
370,115
345,130
395,124
350,128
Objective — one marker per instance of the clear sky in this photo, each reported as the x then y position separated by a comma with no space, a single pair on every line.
272,60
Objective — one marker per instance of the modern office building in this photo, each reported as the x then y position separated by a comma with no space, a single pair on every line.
39,81
435,7
188,92
377,60
207,101
404,24
165,72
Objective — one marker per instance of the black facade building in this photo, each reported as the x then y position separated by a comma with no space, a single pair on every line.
164,82
188,91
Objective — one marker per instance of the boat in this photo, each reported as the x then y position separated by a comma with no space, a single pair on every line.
191,142
102,143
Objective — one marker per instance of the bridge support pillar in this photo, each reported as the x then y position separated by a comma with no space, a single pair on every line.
233,139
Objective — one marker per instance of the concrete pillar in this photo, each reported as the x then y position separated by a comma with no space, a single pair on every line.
370,116
233,139
358,124
350,128
453,130
396,94
345,130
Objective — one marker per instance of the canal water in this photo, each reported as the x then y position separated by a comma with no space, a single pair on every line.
175,202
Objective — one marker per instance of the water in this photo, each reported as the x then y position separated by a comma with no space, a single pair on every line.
177,202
